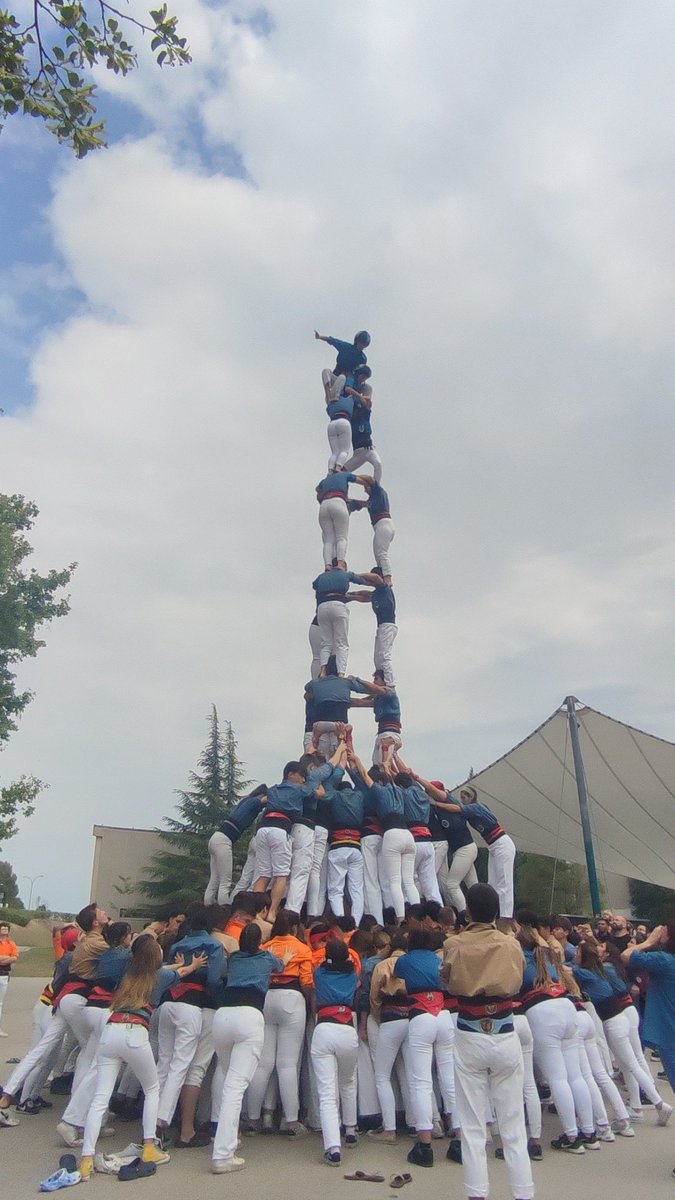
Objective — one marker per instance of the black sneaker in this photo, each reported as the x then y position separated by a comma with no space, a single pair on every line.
571,1145
332,1158
43,1103
454,1151
29,1108
421,1155
591,1140
61,1086
534,1151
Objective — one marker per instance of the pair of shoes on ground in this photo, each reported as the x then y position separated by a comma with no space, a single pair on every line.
33,1106
66,1176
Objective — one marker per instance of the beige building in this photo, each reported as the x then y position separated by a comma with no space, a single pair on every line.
121,859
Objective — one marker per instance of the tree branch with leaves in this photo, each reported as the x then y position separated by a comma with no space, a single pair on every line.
45,64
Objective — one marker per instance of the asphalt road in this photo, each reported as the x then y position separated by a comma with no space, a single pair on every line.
636,1169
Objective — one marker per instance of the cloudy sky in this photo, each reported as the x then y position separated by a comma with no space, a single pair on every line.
488,188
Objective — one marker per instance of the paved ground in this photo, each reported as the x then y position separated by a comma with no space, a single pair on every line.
625,1170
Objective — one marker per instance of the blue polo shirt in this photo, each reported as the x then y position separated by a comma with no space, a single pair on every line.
349,357
333,690
378,503
346,809
334,581
480,817
342,407
288,798
420,970
659,1020
338,482
242,815
335,987
387,707
384,605
415,805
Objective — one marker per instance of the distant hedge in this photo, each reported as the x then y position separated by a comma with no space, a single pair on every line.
21,916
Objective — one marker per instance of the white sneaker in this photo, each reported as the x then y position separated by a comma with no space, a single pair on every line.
635,1116
7,1121
437,1131
221,1166
605,1134
665,1112
623,1128
3,1034
68,1134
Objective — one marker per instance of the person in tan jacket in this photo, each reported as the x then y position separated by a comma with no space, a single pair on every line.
483,968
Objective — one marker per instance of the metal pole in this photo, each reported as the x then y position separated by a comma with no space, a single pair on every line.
570,703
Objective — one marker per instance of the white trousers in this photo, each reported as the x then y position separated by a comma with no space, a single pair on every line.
586,1031
633,1018
121,1044
334,383
84,1080
530,1092
334,522
220,865
245,881
617,1031
238,1035
425,866
285,1018
340,441
48,1047
272,853
556,1053
385,636
4,983
383,536
501,857
334,1055
345,866
397,869
392,1037
490,1068
316,888
333,618
430,1040
179,1028
442,869
315,647
385,745
371,846
204,1051
364,455
72,1009
302,852
462,870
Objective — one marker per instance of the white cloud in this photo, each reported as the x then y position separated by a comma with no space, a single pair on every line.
480,191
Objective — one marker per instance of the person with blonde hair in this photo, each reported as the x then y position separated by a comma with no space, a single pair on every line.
125,1040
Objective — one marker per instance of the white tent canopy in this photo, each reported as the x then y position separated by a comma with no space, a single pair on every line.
630,780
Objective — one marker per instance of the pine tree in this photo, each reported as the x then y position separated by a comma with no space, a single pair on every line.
180,873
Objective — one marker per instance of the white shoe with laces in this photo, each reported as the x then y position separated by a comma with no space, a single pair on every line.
605,1134
623,1128
665,1112
7,1121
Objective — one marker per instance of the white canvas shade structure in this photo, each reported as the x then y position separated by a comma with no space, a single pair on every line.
630,785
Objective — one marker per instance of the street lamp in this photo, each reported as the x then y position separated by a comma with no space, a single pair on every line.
32,882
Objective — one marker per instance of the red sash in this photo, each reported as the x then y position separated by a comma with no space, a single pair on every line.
427,1002
180,990
421,833
338,1014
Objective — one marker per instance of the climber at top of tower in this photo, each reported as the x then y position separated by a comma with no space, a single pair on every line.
350,356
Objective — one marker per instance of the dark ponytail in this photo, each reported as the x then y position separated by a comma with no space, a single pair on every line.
251,936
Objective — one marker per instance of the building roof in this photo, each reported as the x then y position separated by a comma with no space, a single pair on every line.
630,780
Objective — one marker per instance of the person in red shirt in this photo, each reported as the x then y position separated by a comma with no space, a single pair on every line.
9,953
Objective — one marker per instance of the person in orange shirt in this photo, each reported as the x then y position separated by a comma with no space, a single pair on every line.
243,913
285,1018
9,953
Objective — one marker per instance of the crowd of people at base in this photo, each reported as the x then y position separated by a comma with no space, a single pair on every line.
430,1025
